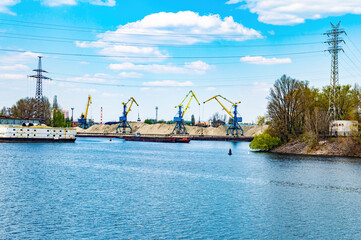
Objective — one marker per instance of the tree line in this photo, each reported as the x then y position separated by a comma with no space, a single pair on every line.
30,108
295,109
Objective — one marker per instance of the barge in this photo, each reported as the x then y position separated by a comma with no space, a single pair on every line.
157,139
29,130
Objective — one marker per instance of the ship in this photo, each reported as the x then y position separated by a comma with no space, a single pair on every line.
157,139
29,130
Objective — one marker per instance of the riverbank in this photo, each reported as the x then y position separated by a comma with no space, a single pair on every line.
341,146
166,129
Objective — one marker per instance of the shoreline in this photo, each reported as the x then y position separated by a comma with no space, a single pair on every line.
332,147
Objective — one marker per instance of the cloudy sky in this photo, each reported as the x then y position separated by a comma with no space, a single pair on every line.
158,50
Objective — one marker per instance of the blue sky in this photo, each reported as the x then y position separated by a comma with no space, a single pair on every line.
156,51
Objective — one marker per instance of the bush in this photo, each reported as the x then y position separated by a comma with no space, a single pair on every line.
264,142
148,121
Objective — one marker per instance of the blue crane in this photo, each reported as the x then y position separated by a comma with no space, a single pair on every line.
123,121
82,121
235,126
179,127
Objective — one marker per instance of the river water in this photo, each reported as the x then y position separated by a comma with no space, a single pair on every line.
101,189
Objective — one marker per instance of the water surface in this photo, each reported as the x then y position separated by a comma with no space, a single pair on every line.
99,189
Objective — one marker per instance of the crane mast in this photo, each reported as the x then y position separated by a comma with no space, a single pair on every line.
83,123
235,126
179,127
123,121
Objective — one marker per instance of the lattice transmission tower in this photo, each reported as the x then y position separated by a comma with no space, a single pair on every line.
39,87
334,40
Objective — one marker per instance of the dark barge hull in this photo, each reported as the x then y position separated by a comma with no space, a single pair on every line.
35,140
157,139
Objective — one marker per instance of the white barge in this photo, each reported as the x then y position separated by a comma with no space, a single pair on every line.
27,130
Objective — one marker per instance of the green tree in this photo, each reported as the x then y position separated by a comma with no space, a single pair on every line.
58,119
264,142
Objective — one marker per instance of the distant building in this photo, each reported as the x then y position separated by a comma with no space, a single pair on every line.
66,113
343,128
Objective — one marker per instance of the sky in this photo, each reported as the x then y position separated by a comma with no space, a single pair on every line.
157,51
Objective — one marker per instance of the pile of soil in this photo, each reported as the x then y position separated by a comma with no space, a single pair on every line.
162,128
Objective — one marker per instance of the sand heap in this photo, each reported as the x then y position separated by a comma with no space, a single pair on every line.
162,128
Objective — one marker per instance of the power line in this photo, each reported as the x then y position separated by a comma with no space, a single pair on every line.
69,40
155,57
169,34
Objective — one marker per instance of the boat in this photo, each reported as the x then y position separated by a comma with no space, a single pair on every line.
29,130
157,139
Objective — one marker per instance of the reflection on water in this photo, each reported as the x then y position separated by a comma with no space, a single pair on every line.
101,189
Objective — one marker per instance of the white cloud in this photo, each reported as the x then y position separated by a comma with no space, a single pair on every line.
141,38
211,88
262,86
265,61
55,3
19,58
16,67
290,12
130,75
109,3
5,4
123,52
96,78
184,27
110,95
197,67
11,76
168,83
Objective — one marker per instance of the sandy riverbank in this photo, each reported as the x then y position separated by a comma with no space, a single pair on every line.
162,128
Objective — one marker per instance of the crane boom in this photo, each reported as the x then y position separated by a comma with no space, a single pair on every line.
233,129
181,105
131,100
87,106
225,109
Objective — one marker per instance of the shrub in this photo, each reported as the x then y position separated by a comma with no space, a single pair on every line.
264,142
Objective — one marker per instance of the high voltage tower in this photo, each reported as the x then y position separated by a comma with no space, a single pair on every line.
334,41
39,87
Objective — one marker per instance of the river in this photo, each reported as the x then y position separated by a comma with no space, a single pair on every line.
101,189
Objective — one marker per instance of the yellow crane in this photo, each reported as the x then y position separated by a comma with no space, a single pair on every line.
123,121
83,118
235,126
179,127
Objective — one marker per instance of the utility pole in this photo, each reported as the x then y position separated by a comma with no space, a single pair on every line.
334,41
39,87
156,114
72,114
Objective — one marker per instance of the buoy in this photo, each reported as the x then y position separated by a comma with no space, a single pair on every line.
230,152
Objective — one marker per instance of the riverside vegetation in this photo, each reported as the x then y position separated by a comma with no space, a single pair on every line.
297,112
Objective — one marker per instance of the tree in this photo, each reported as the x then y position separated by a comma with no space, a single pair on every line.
27,107
286,105
264,142
193,120
261,120
58,119
218,120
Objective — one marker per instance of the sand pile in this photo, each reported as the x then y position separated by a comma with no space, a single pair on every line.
162,128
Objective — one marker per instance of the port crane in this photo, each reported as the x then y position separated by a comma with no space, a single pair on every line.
123,122
235,126
82,121
179,127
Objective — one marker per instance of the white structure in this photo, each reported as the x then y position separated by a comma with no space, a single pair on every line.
343,128
35,134
66,113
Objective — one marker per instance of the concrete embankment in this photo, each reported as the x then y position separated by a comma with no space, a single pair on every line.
161,129
341,146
